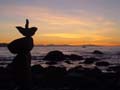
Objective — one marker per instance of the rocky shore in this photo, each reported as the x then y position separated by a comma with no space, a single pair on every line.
60,78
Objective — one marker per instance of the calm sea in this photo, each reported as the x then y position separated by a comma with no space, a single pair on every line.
111,54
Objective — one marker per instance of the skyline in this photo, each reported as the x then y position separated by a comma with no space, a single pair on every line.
72,22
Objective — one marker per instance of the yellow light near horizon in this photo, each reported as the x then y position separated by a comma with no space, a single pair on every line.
56,28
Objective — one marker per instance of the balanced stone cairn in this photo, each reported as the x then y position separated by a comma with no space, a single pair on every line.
21,65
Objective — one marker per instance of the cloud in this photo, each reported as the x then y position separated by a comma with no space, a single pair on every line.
54,24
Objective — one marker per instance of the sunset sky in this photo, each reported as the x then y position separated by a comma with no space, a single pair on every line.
72,22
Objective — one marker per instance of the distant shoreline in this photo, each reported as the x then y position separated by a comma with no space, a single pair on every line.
52,45
84,46
3,44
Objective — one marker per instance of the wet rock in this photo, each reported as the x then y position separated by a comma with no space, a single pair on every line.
51,62
2,73
90,60
54,56
102,63
83,77
85,71
75,57
97,52
67,61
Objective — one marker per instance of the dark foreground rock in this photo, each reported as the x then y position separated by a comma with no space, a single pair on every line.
51,62
59,56
114,68
73,57
102,63
22,45
97,52
90,60
54,56
68,62
58,77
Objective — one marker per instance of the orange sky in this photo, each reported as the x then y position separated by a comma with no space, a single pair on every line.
61,22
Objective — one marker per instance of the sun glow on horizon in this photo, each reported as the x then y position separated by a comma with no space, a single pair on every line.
75,23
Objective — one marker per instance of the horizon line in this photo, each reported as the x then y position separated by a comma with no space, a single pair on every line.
67,44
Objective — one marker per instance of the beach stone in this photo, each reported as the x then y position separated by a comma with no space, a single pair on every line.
102,63
97,52
54,56
22,45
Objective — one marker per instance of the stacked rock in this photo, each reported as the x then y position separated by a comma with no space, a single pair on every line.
20,67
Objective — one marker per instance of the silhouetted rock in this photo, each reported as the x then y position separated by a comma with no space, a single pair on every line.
102,63
53,72
20,68
77,69
67,61
2,73
87,71
92,71
54,56
22,45
51,62
75,57
97,52
83,77
90,60
115,68
28,32
37,72
37,69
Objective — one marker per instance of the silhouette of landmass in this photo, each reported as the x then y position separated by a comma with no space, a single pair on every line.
3,44
65,45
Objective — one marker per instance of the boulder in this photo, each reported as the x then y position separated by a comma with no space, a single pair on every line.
97,52
68,62
75,57
27,31
51,62
90,60
77,69
37,69
102,63
54,56
22,45
114,68
53,72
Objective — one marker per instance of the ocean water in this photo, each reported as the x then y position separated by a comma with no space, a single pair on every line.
111,54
